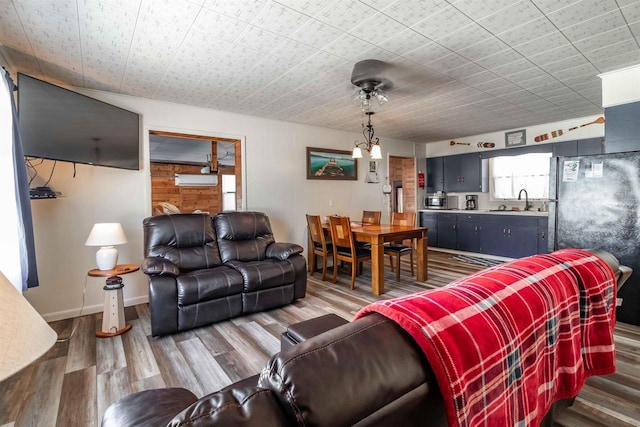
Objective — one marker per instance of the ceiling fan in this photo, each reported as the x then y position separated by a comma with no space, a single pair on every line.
370,76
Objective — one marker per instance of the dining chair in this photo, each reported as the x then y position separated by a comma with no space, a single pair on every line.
371,217
397,249
321,245
344,247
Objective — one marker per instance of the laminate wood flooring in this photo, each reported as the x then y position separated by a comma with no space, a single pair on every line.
74,383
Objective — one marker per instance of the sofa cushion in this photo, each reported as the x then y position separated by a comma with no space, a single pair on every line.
208,284
243,236
240,406
148,408
187,240
269,273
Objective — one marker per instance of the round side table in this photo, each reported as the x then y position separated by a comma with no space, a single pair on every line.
113,322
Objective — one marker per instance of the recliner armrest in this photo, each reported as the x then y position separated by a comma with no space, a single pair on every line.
158,266
283,251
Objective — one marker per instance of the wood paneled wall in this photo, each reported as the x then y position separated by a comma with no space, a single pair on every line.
187,199
402,169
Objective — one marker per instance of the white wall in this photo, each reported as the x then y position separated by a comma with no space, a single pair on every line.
621,86
275,184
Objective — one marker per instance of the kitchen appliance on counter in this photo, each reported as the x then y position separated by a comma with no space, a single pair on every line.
611,223
440,200
471,202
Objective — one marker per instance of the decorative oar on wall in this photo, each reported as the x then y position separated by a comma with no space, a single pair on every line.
480,144
559,132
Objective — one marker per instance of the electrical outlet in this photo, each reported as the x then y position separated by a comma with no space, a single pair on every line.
330,203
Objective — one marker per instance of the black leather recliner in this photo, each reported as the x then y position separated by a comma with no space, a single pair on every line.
203,270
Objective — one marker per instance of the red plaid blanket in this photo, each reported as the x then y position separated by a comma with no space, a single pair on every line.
507,342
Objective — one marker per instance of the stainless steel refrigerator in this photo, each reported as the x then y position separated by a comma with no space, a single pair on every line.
595,205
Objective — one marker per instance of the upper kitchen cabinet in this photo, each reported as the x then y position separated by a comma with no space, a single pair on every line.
622,128
462,173
435,174
582,147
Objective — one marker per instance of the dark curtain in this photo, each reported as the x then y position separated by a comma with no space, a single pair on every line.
22,198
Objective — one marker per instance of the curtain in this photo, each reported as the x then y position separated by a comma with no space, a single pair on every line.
17,248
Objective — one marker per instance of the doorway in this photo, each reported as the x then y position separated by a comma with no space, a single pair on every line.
403,179
194,173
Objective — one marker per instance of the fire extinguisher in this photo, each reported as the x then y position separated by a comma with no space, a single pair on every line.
420,179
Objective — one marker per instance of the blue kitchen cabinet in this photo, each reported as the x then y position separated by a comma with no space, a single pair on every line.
468,232
462,173
622,128
447,231
543,235
510,236
430,221
435,174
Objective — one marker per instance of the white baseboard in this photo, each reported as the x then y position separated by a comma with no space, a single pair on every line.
97,308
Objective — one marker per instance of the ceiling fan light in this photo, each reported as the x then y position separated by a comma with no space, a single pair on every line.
382,97
376,152
357,153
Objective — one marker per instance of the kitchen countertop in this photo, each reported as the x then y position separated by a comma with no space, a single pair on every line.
488,212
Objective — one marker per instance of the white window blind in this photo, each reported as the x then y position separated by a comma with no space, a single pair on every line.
510,174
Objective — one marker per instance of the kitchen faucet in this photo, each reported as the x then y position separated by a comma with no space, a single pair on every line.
526,199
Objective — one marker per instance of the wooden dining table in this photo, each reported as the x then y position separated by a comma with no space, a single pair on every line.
377,235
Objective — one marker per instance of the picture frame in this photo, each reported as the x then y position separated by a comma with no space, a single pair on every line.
372,173
332,165
515,138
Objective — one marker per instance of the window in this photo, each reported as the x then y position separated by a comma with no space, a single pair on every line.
509,174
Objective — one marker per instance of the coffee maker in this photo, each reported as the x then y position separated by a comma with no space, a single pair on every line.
472,202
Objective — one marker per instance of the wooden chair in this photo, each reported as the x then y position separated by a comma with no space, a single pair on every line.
344,248
321,247
371,217
397,249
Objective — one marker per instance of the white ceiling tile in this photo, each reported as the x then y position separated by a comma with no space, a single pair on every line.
258,39
580,12
305,7
483,49
499,59
512,15
427,53
442,22
604,39
527,32
563,64
553,55
413,11
448,62
404,41
244,10
377,28
477,10
316,34
465,36
631,12
540,44
217,26
344,14
279,19
600,24
348,47
293,50
610,63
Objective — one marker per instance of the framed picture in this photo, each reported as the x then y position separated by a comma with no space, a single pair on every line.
372,175
323,163
515,138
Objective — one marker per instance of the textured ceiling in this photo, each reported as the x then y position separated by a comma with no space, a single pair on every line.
467,66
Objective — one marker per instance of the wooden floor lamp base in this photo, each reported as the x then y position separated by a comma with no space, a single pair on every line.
101,334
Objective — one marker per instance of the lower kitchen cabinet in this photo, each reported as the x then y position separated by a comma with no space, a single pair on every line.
447,231
430,220
468,232
512,236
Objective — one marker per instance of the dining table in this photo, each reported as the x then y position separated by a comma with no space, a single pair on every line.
379,234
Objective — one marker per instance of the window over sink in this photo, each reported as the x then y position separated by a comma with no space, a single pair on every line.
509,174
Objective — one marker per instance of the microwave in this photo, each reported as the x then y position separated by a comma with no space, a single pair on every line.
440,201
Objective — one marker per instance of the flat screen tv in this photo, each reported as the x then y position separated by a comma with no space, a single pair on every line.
59,124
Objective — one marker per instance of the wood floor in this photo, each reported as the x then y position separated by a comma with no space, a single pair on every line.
74,382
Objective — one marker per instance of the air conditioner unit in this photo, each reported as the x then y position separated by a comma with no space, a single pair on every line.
191,180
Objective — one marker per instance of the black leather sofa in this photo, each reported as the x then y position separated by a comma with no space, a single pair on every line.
205,269
368,372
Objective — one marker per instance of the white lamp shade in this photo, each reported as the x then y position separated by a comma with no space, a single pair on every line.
24,334
376,153
357,153
106,235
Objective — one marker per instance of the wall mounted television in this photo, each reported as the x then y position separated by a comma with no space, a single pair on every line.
59,124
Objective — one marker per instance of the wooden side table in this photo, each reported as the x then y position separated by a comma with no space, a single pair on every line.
113,322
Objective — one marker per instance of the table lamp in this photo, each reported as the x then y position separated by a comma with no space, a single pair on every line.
106,235
24,334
